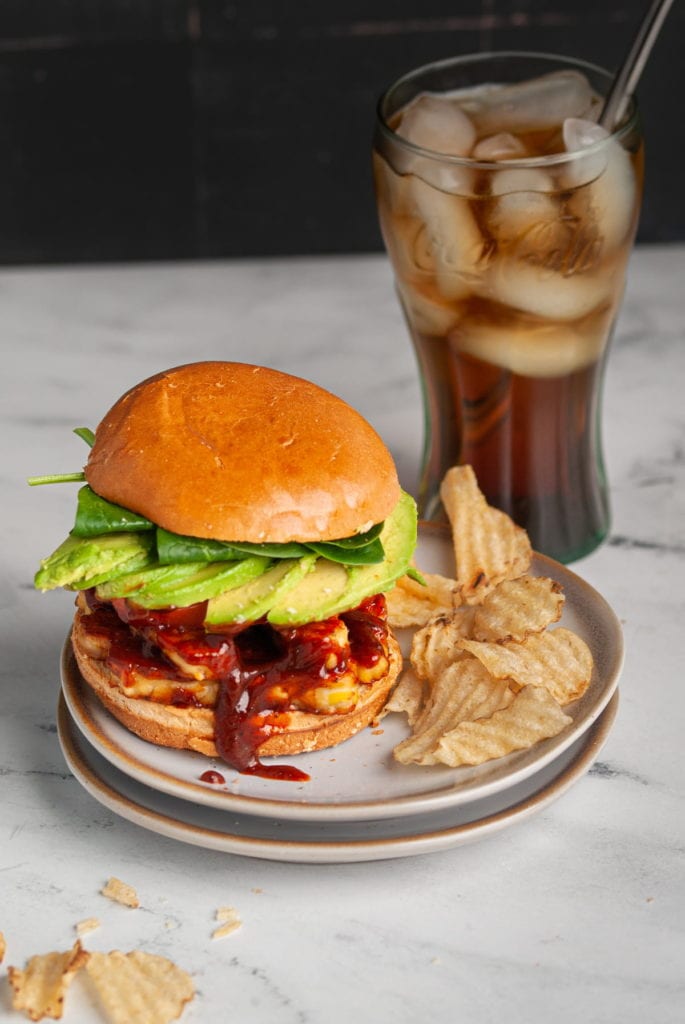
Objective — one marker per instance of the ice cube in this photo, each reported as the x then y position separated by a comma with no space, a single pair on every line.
524,205
533,105
427,315
545,293
409,248
535,350
502,146
609,192
453,235
438,125
579,134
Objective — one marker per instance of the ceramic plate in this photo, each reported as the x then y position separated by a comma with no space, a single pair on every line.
327,842
359,779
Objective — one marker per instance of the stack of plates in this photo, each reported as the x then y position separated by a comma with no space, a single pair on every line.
359,803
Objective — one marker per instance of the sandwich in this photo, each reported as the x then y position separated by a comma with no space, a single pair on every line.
235,533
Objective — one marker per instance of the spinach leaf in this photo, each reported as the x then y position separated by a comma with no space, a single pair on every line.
95,516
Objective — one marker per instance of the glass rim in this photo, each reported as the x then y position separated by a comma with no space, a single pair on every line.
627,126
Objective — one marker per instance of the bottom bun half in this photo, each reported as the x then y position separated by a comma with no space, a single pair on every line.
193,728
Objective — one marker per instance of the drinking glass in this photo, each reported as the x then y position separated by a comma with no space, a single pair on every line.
508,215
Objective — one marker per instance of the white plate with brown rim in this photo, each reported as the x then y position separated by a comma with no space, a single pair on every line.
328,842
359,780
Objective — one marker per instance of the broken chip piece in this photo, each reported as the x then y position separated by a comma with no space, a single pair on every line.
39,990
120,892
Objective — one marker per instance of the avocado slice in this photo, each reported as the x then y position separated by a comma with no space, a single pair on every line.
252,600
178,586
330,588
79,563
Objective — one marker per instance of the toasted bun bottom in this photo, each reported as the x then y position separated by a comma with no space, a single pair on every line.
193,728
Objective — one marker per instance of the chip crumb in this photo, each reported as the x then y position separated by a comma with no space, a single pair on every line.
3,947
40,988
89,924
257,891
230,922
377,732
120,892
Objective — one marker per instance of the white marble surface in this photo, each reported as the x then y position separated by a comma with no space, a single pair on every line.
576,914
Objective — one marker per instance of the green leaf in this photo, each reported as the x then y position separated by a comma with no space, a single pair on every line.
86,434
96,516
172,548
368,554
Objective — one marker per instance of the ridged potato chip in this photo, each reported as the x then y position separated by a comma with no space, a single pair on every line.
487,676
407,696
516,608
488,546
557,660
40,989
138,987
463,692
437,644
532,716
411,604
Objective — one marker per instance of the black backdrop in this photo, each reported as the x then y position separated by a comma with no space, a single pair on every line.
152,129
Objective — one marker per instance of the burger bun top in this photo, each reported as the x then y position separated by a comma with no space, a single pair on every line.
235,452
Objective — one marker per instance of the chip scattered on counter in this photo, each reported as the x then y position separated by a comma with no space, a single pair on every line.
39,990
138,987
488,676
230,922
89,924
120,892
3,947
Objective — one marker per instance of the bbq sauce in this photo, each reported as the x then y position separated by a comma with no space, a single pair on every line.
263,672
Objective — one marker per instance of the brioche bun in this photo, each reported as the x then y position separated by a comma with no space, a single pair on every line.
193,728
230,451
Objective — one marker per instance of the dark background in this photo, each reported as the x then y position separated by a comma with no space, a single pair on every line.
164,129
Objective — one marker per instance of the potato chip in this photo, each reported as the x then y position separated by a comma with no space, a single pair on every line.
437,644
230,922
488,546
138,987
40,989
120,892
411,604
407,696
516,608
557,660
464,691
3,947
532,716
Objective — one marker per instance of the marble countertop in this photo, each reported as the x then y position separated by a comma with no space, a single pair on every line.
575,914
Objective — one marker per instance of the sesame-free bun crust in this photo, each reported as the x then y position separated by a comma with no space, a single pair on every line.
231,451
193,728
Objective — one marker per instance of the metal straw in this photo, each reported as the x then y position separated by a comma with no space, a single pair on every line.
627,77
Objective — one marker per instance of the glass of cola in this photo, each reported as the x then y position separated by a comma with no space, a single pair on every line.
509,214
